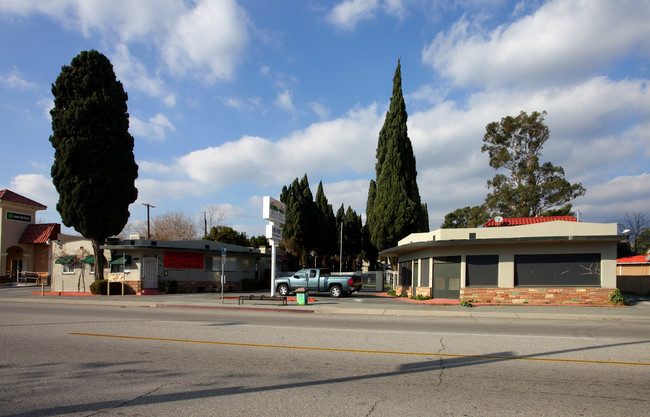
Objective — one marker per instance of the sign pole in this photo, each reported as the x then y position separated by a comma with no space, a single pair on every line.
272,267
274,211
223,277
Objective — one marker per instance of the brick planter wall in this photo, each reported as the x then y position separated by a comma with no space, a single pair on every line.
536,295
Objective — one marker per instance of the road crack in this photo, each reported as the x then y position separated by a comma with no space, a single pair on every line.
122,404
372,408
441,362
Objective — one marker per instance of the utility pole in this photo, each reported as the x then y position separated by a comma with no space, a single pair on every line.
148,225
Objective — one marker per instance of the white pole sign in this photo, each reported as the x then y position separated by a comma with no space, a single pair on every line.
274,211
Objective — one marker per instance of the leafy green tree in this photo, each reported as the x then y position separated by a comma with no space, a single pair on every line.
642,242
94,170
257,241
395,208
529,187
226,234
466,217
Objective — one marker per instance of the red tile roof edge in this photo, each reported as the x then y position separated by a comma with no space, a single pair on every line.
8,195
40,233
638,259
520,221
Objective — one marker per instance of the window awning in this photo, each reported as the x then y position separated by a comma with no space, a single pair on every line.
64,260
90,259
121,260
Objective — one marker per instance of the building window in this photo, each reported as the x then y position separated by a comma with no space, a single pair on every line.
69,268
426,273
405,275
558,270
215,263
482,271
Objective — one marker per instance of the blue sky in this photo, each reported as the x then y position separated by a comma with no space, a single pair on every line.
230,100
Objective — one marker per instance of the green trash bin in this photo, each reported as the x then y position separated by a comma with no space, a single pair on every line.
302,296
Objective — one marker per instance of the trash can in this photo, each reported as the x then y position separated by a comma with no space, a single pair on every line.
302,296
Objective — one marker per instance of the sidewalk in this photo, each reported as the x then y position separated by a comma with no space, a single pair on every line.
359,303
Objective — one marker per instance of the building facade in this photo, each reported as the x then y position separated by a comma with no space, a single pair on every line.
144,265
532,260
24,249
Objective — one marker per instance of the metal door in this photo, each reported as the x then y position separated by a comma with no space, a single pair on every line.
150,273
446,277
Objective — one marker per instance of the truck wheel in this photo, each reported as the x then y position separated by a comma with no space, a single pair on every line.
335,291
283,290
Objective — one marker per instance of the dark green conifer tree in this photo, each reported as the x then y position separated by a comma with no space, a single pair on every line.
395,209
326,242
94,170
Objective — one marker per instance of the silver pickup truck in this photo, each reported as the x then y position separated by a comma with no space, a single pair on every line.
319,280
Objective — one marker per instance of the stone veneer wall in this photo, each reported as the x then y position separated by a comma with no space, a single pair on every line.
536,295
522,295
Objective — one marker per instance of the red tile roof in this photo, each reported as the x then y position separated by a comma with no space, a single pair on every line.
638,259
8,195
40,233
519,221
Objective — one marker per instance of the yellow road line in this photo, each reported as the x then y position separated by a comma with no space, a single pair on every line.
377,352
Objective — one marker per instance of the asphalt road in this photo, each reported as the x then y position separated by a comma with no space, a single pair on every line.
67,359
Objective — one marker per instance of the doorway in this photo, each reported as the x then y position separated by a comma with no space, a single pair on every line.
446,277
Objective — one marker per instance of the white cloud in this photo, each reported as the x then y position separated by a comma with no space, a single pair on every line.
46,104
347,14
203,38
353,193
155,128
37,187
340,146
133,74
563,40
14,79
154,191
320,110
209,39
609,201
284,101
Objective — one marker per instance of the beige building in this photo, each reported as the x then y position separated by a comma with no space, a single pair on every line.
144,265
528,260
24,249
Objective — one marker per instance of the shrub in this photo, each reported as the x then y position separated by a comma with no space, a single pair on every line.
99,287
466,303
391,292
170,286
617,297
421,297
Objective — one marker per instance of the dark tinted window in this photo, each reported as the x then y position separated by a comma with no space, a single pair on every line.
482,270
558,270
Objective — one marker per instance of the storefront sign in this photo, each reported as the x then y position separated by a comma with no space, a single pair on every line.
19,217
273,210
183,260
273,232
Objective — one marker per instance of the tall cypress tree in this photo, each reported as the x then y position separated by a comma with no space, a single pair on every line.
326,244
396,209
300,229
94,169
